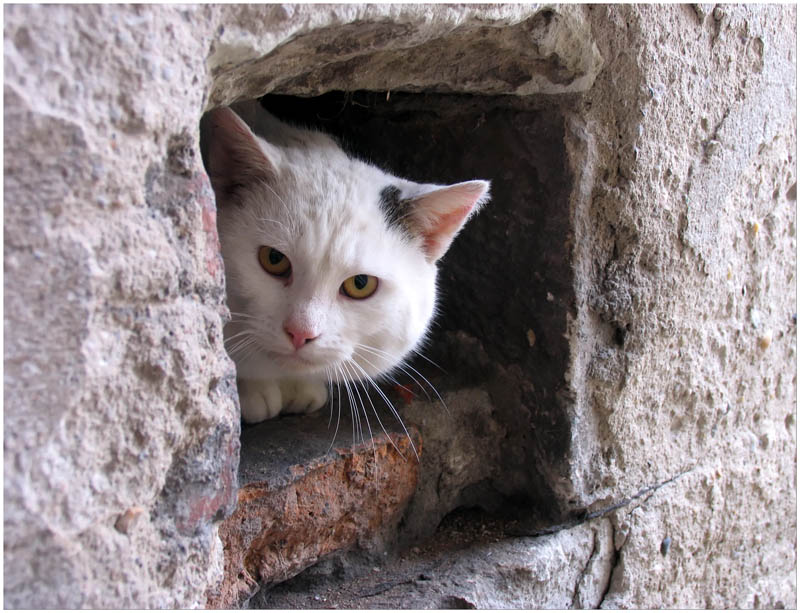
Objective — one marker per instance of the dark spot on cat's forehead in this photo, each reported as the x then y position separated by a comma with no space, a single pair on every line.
393,207
390,197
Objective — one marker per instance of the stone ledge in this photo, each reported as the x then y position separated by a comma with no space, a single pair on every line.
302,497
472,562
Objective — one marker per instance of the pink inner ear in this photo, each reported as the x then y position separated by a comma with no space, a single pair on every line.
438,238
441,214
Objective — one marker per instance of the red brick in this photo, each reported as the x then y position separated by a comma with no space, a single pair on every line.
348,497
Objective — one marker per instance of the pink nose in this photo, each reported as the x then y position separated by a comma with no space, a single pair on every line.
299,336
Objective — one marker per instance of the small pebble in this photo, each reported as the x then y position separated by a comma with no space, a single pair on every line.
764,341
126,520
665,544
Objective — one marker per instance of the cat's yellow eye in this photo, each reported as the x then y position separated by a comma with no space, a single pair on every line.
360,286
274,262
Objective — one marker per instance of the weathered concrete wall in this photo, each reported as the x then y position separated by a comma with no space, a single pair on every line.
687,240
120,427
678,401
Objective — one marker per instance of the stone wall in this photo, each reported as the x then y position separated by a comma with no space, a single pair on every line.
641,389
121,429
691,254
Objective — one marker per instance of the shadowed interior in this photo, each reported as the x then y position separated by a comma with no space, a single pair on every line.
505,284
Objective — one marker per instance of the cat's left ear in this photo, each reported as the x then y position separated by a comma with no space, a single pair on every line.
439,215
235,156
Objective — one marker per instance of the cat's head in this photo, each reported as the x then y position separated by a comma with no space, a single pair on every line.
330,262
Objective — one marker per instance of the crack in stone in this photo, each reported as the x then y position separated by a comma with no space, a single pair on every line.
649,492
646,493
574,604
384,587
586,516
614,564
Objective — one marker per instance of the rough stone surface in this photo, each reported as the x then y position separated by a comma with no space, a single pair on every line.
712,561
305,50
644,380
471,562
298,503
689,243
686,243
120,425
542,573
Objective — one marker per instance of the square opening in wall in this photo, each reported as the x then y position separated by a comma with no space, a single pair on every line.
475,416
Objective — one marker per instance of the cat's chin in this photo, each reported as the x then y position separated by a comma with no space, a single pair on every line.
296,364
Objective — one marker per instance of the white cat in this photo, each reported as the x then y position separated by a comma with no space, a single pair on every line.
330,262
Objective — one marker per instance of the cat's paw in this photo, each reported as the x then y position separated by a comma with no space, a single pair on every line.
303,396
259,399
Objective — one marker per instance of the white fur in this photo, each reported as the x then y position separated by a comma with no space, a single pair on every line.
321,210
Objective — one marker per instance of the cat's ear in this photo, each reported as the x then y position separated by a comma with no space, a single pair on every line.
235,155
438,215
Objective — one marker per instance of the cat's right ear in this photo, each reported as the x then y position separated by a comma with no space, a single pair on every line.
439,213
235,156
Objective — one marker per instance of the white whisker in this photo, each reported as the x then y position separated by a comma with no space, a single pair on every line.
403,365
386,375
253,349
282,225
374,410
355,382
427,359
400,365
330,395
353,413
243,315
291,217
241,345
339,410
228,339
391,408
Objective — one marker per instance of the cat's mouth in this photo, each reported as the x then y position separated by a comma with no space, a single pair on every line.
298,361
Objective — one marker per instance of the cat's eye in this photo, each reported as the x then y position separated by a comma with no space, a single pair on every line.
360,286
274,262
